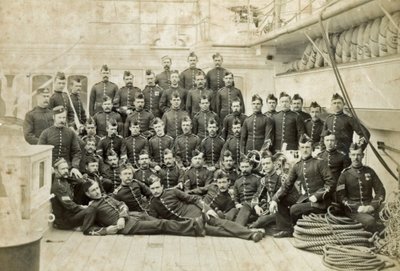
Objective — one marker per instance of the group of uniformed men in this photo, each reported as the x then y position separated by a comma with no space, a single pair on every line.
181,157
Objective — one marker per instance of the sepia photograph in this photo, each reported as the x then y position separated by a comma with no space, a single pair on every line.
198,135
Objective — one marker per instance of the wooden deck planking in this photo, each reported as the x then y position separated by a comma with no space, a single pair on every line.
154,252
224,254
51,243
120,252
206,254
242,255
257,255
103,253
135,258
170,257
278,259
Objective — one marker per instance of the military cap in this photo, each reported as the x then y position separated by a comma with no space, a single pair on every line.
104,68
304,139
297,97
327,133
58,109
139,95
197,153
271,97
59,161
314,104
127,73
355,146
111,152
283,94
106,98
256,97
60,75
43,90
166,57
154,178
336,96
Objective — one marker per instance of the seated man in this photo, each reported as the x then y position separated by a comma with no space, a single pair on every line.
159,142
316,184
211,146
89,151
90,131
131,191
68,214
101,118
173,117
135,143
144,171
219,198
174,204
202,118
232,144
197,177
112,141
171,175
355,190
141,116
110,170
227,165
185,144
106,215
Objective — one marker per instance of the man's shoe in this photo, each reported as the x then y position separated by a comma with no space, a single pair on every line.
257,236
199,226
283,234
258,230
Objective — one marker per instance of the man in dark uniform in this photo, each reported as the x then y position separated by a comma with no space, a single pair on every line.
123,100
225,96
60,98
68,214
203,117
272,102
215,76
257,130
106,215
101,89
174,204
173,117
144,171
314,125
187,77
103,117
131,191
143,117
218,196
77,104
170,174
159,142
337,160
39,118
163,79
195,94
165,101
110,170
212,146
135,143
229,167
152,95
316,185
88,152
344,126
297,107
64,140
112,141
90,130
232,144
185,144
229,119
361,191
244,190
197,177
289,126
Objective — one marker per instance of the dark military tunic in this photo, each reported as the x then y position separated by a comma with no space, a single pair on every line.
111,173
67,213
337,161
163,79
36,121
172,119
85,157
233,175
315,180
288,129
132,195
134,145
171,176
116,143
65,142
232,144
269,185
187,77
314,130
343,126
96,95
271,113
223,99
215,78
85,137
184,145
245,188
359,187
101,119
61,99
211,147
303,115
197,179
218,200
157,146
124,98
79,108
144,118
200,122
228,123
152,96
165,102
193,100
143,175
256,130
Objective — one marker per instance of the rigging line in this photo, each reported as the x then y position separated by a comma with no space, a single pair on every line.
347,98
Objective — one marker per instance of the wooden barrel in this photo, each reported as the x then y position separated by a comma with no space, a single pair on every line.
353,46
339,48
366,48
306,56
374,37
346,46
382,36
392,34
319,59
360,41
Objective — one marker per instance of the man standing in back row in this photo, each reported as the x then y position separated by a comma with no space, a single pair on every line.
187,77
215,76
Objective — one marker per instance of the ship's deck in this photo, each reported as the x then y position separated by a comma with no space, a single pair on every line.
67,251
